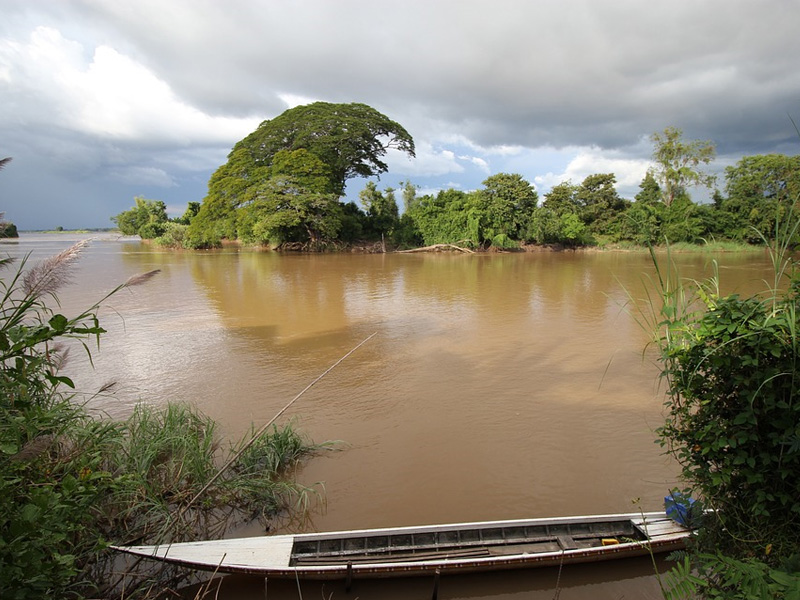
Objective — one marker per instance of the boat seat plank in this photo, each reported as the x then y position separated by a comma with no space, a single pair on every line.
566,542
658,528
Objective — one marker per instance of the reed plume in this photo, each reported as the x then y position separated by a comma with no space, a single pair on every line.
51,274
140,278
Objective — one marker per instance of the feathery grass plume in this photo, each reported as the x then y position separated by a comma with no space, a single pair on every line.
34,448
52,273
140,278
5,261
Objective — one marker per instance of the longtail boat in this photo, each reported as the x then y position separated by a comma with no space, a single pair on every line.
430,549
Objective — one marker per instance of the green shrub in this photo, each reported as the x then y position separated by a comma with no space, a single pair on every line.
174,235
732,367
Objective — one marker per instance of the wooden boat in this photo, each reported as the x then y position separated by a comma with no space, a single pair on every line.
406,551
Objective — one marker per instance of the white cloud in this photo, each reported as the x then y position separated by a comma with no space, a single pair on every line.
477,161
293,100
48,81
429,161
589,161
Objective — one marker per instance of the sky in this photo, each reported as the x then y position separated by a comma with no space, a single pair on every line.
105,100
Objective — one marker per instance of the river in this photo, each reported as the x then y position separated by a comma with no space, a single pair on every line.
497,386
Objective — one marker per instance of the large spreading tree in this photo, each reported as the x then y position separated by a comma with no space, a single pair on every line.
317,148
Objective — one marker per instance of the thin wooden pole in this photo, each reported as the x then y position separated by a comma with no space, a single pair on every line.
435,595
348,582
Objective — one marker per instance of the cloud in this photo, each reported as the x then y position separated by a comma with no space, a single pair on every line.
105,97
629,171
109,96
479,162
144,176
429,161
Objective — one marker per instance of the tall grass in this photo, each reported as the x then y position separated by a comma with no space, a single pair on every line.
71,484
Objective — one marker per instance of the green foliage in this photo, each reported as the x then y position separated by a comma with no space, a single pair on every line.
682,221
282,182
445,218
545,227
173,236
733,579
407,235
381,207
8,229
192,208
353,223
280,186
559,221
716,576
285,211
733,424
562,199
70,483
598,202
760,190
350,139
507,203
501,212
147,219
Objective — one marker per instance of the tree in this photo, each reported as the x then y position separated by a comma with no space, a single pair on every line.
677,163
599,202
444,218
507,202
760,189
381,208
642,222
147,219
350,139
192,208
561,199
409,195
313,149
7,228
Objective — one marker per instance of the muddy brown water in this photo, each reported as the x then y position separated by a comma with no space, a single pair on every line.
497,387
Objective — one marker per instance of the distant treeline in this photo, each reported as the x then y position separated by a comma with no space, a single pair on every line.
282,187
507,211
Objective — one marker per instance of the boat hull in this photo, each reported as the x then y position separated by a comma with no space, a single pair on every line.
414,551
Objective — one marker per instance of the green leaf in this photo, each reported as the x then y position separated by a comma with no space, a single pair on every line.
9,448
59,323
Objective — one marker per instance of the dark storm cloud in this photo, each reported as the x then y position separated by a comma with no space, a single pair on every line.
502,72
469,79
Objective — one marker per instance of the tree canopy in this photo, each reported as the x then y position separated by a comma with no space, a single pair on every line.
282,182
350,139
147,218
